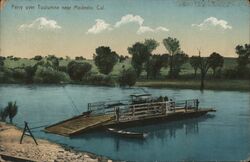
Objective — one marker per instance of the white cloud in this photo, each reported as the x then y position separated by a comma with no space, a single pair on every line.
213,22
160,28
145,29
129,19
99,27
40,23
102,26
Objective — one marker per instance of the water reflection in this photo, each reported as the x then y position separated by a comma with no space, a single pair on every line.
162,131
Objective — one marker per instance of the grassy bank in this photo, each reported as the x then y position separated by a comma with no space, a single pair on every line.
241,85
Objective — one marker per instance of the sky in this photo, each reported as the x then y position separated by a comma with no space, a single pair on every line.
77,27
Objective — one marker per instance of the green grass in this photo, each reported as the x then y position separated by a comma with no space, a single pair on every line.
243,85
187,70
229,63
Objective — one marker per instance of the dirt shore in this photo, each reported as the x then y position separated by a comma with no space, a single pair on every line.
45,151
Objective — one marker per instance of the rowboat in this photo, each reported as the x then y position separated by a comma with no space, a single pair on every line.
127,133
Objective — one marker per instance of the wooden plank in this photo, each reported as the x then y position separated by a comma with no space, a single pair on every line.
75,125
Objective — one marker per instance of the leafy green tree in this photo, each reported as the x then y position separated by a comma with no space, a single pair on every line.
127,77
151,44
155,64
195,62
140,55
80,58
1,63
204,66
54,61
105,59
77,70
173,47
243,59
11,110
38,58
216,61
179,59
30,73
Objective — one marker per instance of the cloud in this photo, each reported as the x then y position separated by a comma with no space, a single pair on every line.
129,18
99,27
145,29
40,23
102,26
213,22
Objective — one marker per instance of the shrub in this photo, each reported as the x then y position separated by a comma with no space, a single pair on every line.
80,58
11,110
38,58
77,70
127,77
19,74
49,75
3,115
230,73
100,79
63,69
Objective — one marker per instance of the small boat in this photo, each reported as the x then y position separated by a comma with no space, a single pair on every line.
127,133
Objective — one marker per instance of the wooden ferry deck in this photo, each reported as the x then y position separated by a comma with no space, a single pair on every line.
141,110
80,124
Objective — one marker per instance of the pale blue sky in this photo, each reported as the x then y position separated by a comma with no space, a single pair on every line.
64,32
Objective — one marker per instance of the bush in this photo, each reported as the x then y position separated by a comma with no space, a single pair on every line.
127,77
63,69
100,79
49,75
77,70
3,115
19,74
80,58
9,111
38,58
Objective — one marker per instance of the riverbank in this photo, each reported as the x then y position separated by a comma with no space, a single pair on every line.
44,151
238,85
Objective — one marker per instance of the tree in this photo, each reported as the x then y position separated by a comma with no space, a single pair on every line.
151,44
77,70
194,62
173,47
11,110
1,63
38,58
54,61
30,73
155,64
215,61
105,59
80,58
179,59
203,66
127,77
243,59
140,55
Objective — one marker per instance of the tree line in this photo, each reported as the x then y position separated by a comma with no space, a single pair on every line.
48,69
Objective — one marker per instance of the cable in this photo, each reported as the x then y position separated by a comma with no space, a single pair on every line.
74,106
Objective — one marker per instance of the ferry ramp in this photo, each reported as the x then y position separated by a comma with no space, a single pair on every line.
78,124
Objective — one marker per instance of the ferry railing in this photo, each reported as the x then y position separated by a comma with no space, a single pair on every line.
127,109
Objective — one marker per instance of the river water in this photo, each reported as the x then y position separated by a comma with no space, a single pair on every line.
223,135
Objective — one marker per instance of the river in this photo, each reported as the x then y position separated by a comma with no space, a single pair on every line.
223,135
